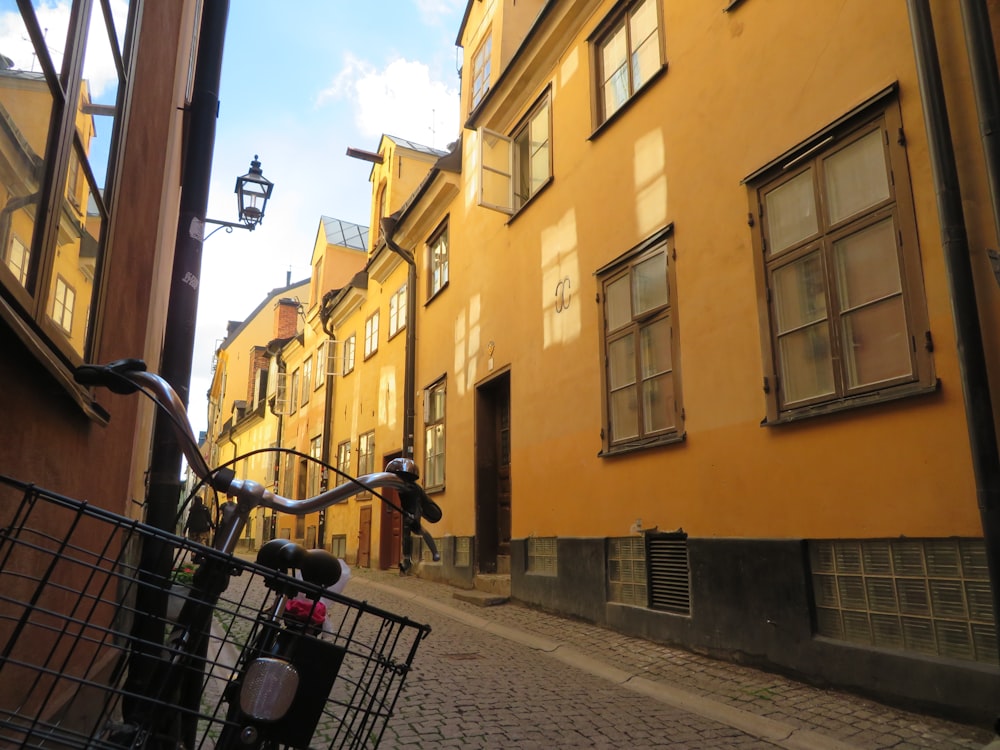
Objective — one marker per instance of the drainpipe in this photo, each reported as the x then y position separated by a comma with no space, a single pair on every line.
327,324
968,334
388,226
986,85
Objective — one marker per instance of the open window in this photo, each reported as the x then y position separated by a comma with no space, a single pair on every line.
514,168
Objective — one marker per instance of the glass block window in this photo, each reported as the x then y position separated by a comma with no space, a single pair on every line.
463,552
627,571
929,596
542,556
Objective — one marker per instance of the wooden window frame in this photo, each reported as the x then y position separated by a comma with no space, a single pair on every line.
63,187
501,161
616,271
433,421
614,22
881,113
366,453
344,459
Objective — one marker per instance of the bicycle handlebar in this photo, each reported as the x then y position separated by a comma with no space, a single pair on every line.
129,375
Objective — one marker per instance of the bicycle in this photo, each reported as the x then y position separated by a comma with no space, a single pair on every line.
260,655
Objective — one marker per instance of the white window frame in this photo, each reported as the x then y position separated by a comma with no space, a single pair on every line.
438,255
63,302
397,311
501,168
482,64
350,349
307,377
371,334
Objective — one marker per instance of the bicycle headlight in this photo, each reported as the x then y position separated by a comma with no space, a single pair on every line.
268,689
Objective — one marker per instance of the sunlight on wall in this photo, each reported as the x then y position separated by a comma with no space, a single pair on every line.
569,66
387,396
561,320
467,345
471,172
650,183
355,401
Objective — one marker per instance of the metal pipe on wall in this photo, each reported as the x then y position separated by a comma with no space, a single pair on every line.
958,263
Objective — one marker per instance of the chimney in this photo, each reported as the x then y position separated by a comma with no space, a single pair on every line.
286,318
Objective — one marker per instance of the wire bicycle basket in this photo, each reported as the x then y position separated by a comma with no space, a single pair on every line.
69,581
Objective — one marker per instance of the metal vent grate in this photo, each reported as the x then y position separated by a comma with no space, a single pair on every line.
669,573
542,557
929,596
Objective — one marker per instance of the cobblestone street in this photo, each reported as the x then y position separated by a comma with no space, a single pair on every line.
511,676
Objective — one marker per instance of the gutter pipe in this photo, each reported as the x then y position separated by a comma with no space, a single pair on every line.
388,226
958,263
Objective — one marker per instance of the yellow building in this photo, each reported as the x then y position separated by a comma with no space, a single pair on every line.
686,361
240,417
373,404
270,385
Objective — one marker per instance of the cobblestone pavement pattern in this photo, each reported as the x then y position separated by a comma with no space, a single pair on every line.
512,676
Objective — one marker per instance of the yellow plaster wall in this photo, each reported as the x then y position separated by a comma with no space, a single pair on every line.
740,89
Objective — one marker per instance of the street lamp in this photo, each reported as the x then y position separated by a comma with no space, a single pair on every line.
252,193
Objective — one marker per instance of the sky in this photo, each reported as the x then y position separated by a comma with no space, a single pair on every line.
301,82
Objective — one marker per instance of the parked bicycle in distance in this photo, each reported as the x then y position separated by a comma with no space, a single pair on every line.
111,636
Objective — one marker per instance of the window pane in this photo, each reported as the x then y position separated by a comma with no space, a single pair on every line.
856,177
799,293
617,304
26,110
539,157
496,170
614,55
658,403
876,346
791,212
624,415
806,364
655,348
867,265
621,362
645,44
649,284
95,121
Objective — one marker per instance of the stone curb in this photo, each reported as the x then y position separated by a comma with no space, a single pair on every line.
778,733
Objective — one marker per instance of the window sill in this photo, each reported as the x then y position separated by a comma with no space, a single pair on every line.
436,490
55,366
618,113
658,442
531,199
437,293
857,402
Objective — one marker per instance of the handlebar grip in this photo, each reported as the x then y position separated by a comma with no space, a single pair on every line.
320,567
281,554
111,376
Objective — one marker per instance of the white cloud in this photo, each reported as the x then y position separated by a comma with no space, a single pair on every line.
401,99
53,18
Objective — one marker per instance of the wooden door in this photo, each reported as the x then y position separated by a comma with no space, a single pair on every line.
493,480
365,537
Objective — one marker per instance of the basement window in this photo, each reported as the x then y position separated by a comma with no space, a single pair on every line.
928,596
